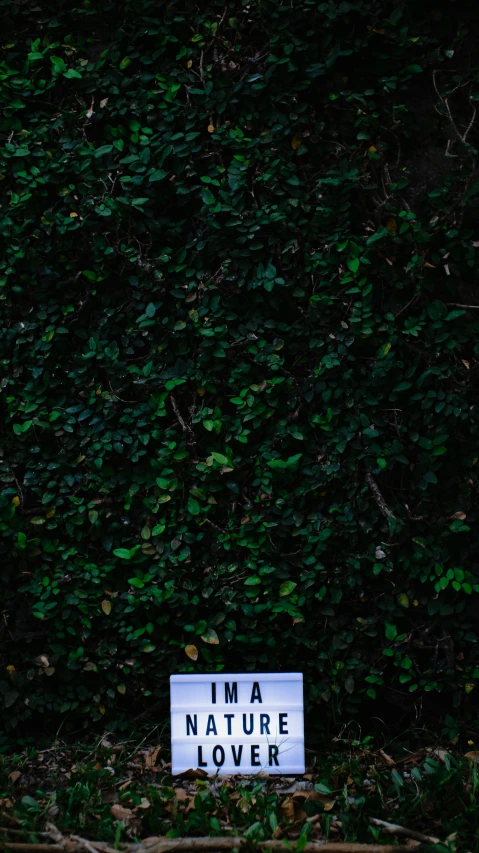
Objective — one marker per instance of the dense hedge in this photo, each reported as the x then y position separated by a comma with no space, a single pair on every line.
239,343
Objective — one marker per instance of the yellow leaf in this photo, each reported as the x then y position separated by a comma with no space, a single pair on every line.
101,709
49,154
210,636
415,602
121,689
11,668
106,606
391,226
189,63
16,501
191,651
403,600
372,149
469,688
211,128
73,214
295,143
51,512
98,392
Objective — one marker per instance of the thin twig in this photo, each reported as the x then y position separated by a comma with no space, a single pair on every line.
378,496
395,829
460,305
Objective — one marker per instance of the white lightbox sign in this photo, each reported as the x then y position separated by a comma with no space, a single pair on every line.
237,724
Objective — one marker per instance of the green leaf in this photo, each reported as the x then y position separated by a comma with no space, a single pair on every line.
122,553
218,457
59,66
391,631
193,506
287,588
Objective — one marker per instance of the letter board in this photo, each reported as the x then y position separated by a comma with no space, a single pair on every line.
242,723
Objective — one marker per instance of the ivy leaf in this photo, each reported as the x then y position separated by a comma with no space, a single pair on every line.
210,636
191,651
218,457
287,588
122,553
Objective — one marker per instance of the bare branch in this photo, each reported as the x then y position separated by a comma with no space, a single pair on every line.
378,496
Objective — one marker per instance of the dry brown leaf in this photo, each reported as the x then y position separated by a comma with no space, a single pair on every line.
145,804
287,807
150,759
460,515
195,774
14,775
473,755
121,813
295,143
191,651
182,795
387,757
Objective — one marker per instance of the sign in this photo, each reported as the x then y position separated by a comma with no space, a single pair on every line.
237,724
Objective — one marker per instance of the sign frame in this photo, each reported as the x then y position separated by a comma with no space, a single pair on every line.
237,723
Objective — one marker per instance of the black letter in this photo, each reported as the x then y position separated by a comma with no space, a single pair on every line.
251,724
211,726
256,695
213,693
264,723
231,693
254,756
229,717
282,724
193,725
237,758
222,753
273,752
201,763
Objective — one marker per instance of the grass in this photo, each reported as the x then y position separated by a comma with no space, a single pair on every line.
124,791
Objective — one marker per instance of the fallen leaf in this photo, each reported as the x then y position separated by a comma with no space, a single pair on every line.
211,128
195,774
145,804
460,515
103,102
191,651
14,775
287,807
150,760
473,755
120,813
182,795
